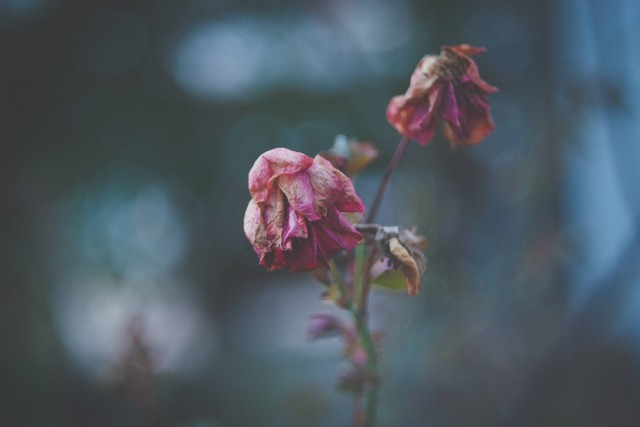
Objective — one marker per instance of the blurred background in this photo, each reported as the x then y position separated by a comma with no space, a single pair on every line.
129,295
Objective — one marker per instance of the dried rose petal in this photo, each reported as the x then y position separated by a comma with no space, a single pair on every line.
294,219
448,88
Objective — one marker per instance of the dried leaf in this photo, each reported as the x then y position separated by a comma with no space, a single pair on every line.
408,265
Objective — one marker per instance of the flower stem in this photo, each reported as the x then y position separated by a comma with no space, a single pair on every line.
359,315
362,286
359,312
400,149
371,384
359,287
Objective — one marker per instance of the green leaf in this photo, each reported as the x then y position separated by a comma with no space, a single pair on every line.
392,280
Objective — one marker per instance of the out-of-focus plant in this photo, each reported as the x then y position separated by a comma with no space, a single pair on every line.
304,213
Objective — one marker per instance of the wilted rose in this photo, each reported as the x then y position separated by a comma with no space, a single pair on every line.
446,87
294,219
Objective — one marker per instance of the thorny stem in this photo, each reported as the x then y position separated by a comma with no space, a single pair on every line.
366,282
358,278
362,284
371,384
362,329
400,149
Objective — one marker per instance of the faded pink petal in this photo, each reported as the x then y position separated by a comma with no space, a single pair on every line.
479,124
338,188
300,194
393,112
327,237
274,259
305,254
424,77
272,164
294,226
294,219
254,227
337,232
413,119
449,109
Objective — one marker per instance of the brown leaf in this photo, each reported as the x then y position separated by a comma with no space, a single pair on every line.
408,265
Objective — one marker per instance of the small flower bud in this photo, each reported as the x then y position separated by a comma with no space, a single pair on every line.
324,326
359,356
352,381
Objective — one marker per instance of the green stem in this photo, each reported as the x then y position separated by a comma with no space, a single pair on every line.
359,312
371,384
364,335
359,287
366,282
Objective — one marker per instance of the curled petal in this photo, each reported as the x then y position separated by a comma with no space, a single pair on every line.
305,254
449,110
294,226
336,232
327,237
416,119
342,192
394,108
312,192
465,49
300,194
424,77
320,186
474,123
271,165
254,227
274,259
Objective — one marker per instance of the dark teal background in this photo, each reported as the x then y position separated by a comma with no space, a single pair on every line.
130,295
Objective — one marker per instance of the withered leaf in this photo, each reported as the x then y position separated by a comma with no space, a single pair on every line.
408,265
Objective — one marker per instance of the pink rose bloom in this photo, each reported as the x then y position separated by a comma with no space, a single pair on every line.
294,218
446,87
